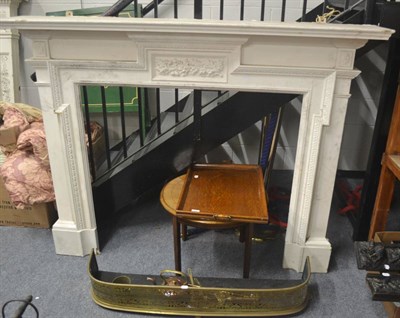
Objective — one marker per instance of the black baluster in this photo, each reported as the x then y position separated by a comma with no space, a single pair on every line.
196,120
123,128
283,10
105,124
198,9
135,8
241,10
155,8
158,103
146,111
221,9
346,4
88,130
303,15
262,10
176,105
140,111
175,9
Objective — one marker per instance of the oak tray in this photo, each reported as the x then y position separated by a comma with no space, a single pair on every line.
224,192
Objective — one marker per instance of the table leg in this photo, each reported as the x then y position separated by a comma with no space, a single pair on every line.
184,232
177,242
247,249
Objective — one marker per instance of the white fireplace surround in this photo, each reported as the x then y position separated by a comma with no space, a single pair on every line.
315,60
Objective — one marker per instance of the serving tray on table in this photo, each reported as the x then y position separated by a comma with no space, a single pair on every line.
230,192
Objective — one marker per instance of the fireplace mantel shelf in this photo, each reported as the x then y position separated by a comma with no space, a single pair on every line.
184,26
314,60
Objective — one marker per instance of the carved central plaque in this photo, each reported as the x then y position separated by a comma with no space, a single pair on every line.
199,68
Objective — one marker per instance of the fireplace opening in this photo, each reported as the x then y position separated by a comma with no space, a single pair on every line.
129,123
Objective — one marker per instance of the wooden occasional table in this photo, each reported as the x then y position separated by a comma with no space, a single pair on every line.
217,197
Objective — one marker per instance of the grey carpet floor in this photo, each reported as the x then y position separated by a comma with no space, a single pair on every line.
140,241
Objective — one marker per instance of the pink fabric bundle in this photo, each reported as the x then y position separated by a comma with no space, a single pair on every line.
14,117
26,170
34,140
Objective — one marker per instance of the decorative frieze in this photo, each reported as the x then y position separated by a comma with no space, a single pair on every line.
190,68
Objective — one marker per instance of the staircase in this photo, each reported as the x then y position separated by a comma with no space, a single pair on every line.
173,151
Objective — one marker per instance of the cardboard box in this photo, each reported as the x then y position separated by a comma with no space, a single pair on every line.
39,215
8,136
392,309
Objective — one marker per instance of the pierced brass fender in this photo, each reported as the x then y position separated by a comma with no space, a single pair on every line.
205,297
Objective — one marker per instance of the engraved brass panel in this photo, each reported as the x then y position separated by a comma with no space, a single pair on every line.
146,294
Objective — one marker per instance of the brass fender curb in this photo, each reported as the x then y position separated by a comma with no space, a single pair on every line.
120,292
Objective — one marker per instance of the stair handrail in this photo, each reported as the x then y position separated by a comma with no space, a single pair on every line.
346,11
116,8
150,6
120,5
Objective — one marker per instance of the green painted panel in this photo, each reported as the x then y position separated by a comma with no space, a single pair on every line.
112,99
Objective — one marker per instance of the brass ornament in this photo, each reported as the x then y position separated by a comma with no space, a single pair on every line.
328,15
